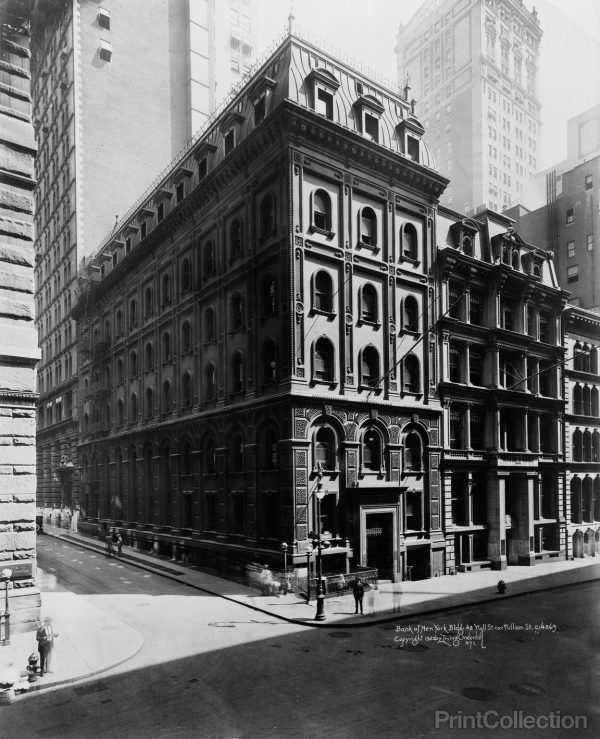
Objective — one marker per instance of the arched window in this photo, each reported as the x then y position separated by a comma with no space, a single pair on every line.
579,358
577,446
119,323
186,275
586,403
166,346
371,448
269,295
325,448
368,227
106,330
148,302
186,459
575,490
149,403
595,409
209,326
368,303
133,365
411,378
209,456
323,360
120,412
410,314
237,453
269,362
166,397
209,259
267,216
587,446
132,313
237,312
186,390
210,382
237,367
321,211
410,242
86,423
119,370
133,408
269,449
149,356
323,292
235,240
413,455
186,337
369,367
595,447
166,289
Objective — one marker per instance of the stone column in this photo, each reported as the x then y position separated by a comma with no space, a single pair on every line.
496,517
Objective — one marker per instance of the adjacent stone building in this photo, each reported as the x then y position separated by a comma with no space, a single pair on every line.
18,352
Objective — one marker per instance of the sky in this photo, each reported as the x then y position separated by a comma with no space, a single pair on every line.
366,30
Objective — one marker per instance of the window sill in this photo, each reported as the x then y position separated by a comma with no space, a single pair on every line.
330,383
371,247
412,393
411,260
321,231
318,312
366,322
370,388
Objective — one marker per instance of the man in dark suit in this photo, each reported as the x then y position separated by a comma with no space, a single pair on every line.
45,638
359,592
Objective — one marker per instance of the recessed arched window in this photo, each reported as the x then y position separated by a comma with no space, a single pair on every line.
186,275
371,449
210,456
323,292
369,367
237,453
411,377
149,356
166,346
587,446
235,240
119,323
577,450
515,262
186,337
86,422
186,459
321,210
368,227
587,401
166,289
413,451
132,313
237,312
120,412
467,245
149,403
269,449
269,295
148,302
133,408
119,370
410,314
269,355
368,303
166,397
595,447
210,384
106,330
410,242
237,367
323,360
325,448
209,259
209,325
267,216
133,365
186,390
595,401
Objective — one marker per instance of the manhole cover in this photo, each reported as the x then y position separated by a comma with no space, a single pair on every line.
479,694
413,648
339,634
527,689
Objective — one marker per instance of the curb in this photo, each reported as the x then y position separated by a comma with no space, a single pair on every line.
321,624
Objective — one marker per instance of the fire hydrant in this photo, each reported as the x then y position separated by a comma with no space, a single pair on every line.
32,667
501,587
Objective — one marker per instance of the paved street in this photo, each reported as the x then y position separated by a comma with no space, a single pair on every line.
212,668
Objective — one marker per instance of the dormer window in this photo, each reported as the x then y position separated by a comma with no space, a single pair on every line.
369,110
260,110
230,128
229,141
324,85
143,230
371,127
204,155
410,132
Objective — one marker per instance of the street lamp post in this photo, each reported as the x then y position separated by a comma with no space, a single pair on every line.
6,576
309,551
284,547
320,615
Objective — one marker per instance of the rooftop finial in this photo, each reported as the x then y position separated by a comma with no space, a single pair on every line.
406,86
116,222
291,17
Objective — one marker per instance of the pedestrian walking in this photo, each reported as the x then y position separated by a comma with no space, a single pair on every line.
45,637
358,590
109,545
371,599
119,544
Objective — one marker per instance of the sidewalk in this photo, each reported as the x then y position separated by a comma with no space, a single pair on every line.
75,618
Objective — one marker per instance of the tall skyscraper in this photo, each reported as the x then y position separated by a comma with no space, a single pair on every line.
118,89
18,351
472,65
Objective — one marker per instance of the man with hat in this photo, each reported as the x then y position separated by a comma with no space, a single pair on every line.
45,638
